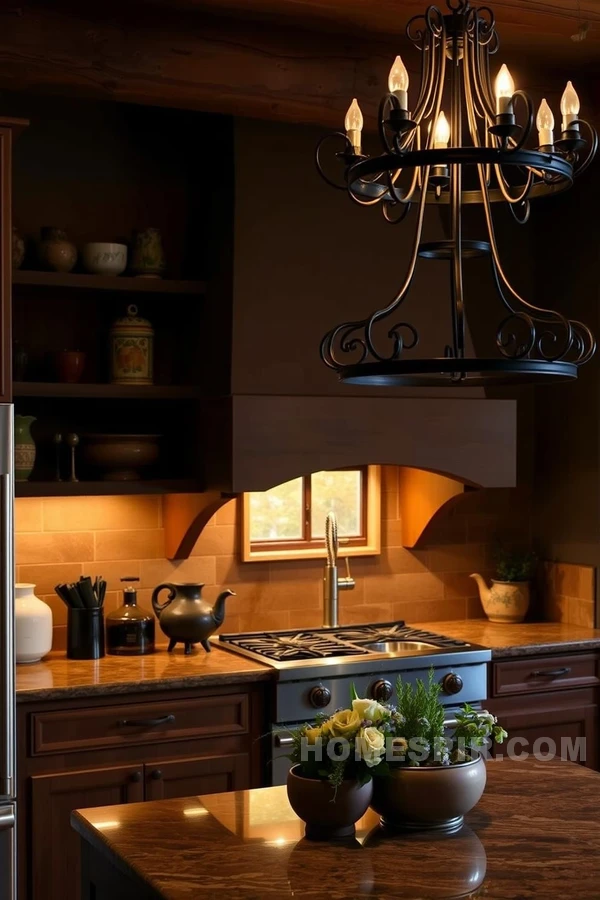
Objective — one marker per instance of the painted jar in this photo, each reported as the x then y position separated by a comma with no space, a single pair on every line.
148,258
24,447
56,251
132,349
33,625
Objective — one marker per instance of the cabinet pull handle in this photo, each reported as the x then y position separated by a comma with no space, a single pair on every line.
156,774
283,741
146,723
137,776
551,673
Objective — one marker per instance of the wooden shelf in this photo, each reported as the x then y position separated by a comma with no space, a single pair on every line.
108,283
105,488
106,391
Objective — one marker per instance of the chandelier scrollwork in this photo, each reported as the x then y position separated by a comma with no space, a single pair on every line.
481,154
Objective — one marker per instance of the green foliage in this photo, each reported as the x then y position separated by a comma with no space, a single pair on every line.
421,710
512,564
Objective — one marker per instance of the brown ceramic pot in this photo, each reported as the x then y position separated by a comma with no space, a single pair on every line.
429,797
329,815
122,455
69,365
56,252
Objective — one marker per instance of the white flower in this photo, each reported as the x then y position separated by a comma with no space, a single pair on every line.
370,710
370,745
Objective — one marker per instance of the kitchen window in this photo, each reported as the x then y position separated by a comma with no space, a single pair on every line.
288,521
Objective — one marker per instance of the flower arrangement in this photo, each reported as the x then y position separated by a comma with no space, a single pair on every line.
418,737
350,744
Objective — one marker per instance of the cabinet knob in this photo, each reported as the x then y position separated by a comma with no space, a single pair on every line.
452,683
156,774
382,690
137,776
319,697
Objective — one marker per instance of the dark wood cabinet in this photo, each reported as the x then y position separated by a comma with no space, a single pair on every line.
73,756
190,777
55,849
9,129
549,704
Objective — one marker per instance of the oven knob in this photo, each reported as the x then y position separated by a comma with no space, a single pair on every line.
382,691
452,683
320,697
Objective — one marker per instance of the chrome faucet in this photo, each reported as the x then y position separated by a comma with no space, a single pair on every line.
332,585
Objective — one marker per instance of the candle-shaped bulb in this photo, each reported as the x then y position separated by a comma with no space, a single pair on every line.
504,88
569,106
545,123
398,82
441,132
354,117
353,124
569,102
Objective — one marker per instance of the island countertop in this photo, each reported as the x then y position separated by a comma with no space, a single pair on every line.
534,834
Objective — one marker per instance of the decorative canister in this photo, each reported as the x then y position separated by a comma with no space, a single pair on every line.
33,625
18,248
148,258
24,447
56,252
132,349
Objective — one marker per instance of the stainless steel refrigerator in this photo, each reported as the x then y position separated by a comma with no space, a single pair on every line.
8,784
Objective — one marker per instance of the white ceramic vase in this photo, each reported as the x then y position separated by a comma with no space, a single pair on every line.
33,625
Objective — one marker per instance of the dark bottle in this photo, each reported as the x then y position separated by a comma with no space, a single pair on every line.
129,629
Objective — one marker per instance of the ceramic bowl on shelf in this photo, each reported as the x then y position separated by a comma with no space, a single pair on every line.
104,259
121,456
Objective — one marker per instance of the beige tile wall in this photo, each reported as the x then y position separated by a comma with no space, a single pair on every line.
57,540
568,593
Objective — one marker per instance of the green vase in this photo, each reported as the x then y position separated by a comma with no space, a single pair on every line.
24,447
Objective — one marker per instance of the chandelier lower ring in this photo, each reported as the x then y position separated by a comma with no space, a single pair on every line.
443,372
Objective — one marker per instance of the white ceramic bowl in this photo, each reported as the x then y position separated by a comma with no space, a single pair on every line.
104,259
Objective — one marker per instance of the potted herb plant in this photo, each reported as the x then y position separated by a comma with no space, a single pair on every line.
430,780
330,784
508,598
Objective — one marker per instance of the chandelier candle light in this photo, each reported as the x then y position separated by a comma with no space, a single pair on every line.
477,155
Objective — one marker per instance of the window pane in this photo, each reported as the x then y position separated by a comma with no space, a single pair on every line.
277,514
341,493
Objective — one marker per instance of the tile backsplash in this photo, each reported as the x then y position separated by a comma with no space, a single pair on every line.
568,593
58,539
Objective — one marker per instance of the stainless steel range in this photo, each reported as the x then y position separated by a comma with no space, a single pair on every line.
316,667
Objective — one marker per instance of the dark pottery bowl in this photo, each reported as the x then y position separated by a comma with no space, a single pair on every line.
328,815
429,797
121,455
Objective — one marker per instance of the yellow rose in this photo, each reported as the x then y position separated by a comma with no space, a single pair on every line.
399,748
369,709
312,734
343,724
370,745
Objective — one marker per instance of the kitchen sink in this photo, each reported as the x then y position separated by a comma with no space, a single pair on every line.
399,648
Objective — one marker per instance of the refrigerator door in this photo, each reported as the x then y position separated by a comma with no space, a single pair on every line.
8,869
7,661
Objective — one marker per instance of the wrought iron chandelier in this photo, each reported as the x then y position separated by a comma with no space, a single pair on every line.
477,156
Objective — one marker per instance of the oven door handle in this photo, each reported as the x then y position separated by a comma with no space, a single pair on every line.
281,741
450,723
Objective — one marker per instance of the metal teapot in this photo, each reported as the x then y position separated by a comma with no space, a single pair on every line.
185,617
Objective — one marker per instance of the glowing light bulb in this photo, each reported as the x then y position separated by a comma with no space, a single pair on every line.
504,87
569,105
545,123
441,132
353,124
398,82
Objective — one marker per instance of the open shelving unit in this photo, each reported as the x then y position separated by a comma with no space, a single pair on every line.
85,282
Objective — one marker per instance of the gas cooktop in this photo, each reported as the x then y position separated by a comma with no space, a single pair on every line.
342,646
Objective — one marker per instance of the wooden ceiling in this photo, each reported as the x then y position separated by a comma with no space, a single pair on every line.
542,27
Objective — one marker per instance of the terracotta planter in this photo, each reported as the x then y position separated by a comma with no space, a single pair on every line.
429,797
311,799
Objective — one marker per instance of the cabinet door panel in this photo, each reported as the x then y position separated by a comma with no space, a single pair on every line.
562,725
5,264
55,846
190,777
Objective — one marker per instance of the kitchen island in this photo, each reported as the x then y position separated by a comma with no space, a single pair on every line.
534,834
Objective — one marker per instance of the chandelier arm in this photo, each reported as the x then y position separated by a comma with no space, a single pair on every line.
393,102
388,205
470,106
486,80
320,170
505,188
427,73
593,147
506,341
425,103
591,340
471,48
530,118
526,207
478,57
457,288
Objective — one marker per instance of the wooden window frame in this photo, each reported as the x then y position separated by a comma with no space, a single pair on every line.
369,544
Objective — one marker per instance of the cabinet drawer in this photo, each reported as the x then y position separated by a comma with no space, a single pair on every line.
549,673
140,723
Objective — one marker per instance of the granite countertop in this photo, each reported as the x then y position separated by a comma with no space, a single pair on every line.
57,677
534,834
525,639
